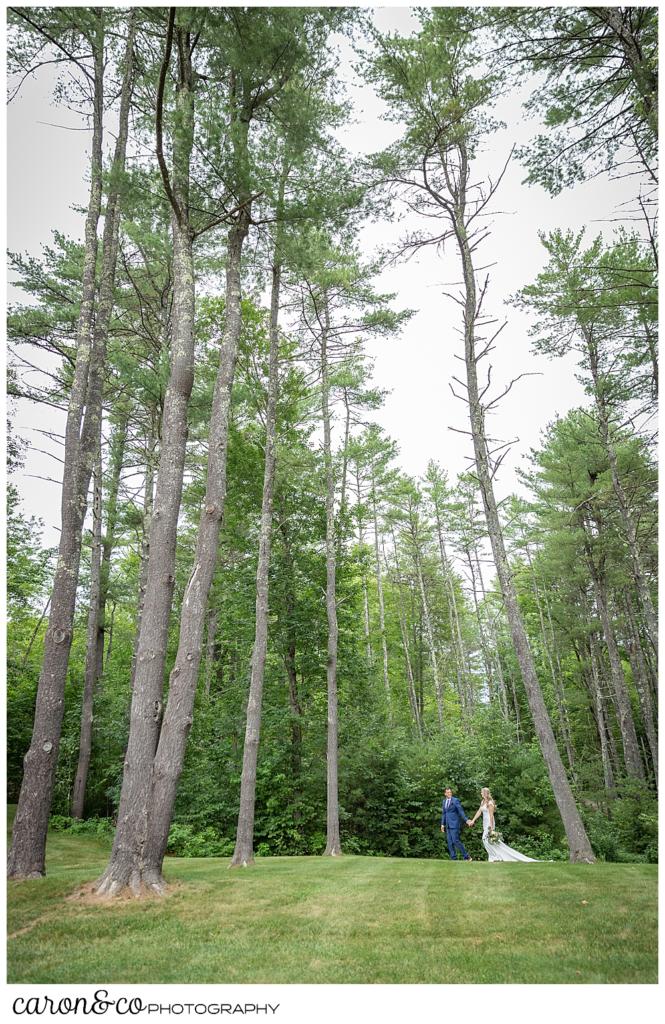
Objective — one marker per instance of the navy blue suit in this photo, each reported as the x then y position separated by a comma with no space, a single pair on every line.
453,818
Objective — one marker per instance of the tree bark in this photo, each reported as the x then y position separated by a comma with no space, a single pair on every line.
559,696
91,659
631,750
211,646
410,680
109,646
641,679
290,653
100,569
144,557
126,866
429,632
464,684
244,848
27,854
578,842
344,472
170,751
493,635
116,460
169,757
597,665
333,842
382,608
28,848
608,774
487,661
361,545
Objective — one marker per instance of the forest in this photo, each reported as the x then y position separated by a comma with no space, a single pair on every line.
258,634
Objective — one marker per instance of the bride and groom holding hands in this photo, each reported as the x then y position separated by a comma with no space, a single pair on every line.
453,820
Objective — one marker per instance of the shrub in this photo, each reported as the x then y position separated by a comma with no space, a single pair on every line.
101,828
184,841
627,831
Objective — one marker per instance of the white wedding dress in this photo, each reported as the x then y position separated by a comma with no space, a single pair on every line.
499,851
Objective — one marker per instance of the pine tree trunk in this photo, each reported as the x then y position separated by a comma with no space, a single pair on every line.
382,608
126,867
28,849
91,656
244,848
290,653
631,750
431,646
597,665
464,684
146,521
100,569
411,683
491,633
295,708
116,459
559,696
345,466
333,843
487,661
578,842
170,754
608,774
211,646
109,646
420,663
641,678
27,854
361,545
429,632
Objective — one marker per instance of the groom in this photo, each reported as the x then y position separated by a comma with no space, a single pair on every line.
452,819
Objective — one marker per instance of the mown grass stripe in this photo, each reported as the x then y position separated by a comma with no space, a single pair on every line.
350,920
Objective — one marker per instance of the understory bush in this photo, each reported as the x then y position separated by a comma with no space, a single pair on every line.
102,828
627,829
184,841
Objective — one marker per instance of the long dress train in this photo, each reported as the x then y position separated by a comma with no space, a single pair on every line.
499,851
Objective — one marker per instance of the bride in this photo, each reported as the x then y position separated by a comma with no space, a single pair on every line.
496,850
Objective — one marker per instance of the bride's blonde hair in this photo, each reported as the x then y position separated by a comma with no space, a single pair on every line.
487,797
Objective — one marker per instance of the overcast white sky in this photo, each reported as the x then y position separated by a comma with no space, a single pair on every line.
47,177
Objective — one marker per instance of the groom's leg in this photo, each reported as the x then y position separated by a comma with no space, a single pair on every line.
460,844
451,844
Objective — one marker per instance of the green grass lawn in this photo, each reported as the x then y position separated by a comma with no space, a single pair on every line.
354,919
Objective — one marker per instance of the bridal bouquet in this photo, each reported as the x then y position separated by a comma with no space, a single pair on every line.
494,836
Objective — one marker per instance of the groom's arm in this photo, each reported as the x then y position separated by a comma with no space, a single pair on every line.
460,810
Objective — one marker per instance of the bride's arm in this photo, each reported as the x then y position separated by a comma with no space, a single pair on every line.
491,810
477,815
